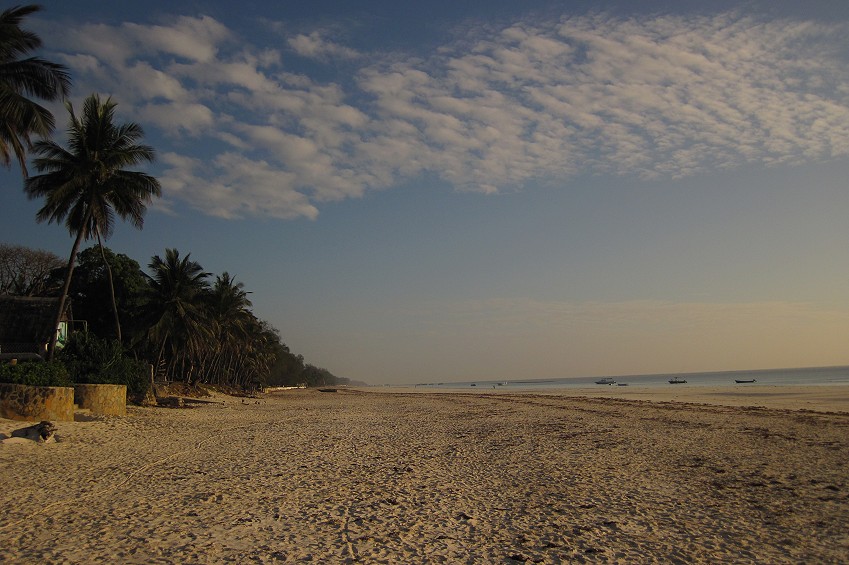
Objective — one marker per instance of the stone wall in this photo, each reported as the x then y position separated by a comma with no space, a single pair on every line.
36,403
106,400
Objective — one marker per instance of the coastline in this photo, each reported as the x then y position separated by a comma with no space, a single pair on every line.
820,398
405,476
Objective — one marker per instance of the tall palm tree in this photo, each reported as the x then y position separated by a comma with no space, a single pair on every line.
20,117
229,312
86,185
179,324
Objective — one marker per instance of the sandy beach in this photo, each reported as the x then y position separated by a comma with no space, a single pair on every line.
392,477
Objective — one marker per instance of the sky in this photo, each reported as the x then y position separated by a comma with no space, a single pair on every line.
448,191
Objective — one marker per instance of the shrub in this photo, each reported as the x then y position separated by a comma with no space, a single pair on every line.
35,373
91,360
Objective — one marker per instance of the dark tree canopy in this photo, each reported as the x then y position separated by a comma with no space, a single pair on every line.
23,76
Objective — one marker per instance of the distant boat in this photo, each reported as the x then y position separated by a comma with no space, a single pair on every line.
677,381
605,381
621,384
740,381
473,384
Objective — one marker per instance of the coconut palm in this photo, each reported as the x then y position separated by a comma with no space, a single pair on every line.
229,312
20,117
179,324
87,185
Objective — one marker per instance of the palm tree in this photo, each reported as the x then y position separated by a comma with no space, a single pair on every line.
179,324
230,315
86,185
20,117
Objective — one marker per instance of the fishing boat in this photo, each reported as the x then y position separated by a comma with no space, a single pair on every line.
677,381
605,381
741,381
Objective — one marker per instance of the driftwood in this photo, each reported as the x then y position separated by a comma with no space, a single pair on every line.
182,401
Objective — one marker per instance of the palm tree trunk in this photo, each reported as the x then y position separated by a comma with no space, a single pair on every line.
51,347
111,287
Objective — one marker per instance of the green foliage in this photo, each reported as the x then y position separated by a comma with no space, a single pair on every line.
23,75
90,292
35,373
92,360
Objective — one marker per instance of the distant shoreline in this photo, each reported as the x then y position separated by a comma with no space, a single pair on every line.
819,397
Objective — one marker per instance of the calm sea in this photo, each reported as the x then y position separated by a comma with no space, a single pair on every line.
771,377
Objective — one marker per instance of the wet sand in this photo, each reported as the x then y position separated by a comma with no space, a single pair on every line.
393,477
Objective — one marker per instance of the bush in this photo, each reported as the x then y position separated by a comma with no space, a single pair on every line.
35,373
91,360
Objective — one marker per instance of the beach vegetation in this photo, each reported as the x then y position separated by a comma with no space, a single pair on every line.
86,185
93,360
177,322
188,325
23,77
32,373
90,284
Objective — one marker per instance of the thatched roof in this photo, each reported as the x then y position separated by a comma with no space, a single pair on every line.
26,323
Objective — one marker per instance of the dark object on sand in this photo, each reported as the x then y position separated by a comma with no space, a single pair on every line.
172,402
40,432
327,390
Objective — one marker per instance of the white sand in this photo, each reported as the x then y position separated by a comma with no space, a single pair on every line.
413,478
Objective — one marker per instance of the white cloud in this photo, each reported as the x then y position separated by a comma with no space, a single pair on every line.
315,46
192,38
177,118
232,186
147,83
535,101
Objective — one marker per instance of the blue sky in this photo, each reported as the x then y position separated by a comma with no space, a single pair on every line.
421,192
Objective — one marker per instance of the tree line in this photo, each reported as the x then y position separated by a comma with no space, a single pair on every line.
188,325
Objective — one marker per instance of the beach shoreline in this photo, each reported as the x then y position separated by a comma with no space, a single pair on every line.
821,398
380,476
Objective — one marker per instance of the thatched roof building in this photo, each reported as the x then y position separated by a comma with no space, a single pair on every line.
26,324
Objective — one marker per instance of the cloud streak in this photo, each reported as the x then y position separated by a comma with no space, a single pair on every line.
497,109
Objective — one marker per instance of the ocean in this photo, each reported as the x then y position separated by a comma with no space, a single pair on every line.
773,377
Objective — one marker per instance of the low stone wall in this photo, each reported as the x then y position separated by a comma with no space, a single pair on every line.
106,400
36,403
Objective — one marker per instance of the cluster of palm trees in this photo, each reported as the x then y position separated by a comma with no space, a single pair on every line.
204,332
195,330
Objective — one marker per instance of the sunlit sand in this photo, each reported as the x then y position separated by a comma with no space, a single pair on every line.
392,477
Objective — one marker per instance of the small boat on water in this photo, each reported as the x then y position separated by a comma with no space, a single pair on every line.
621,384
677,381
605,381
741,381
